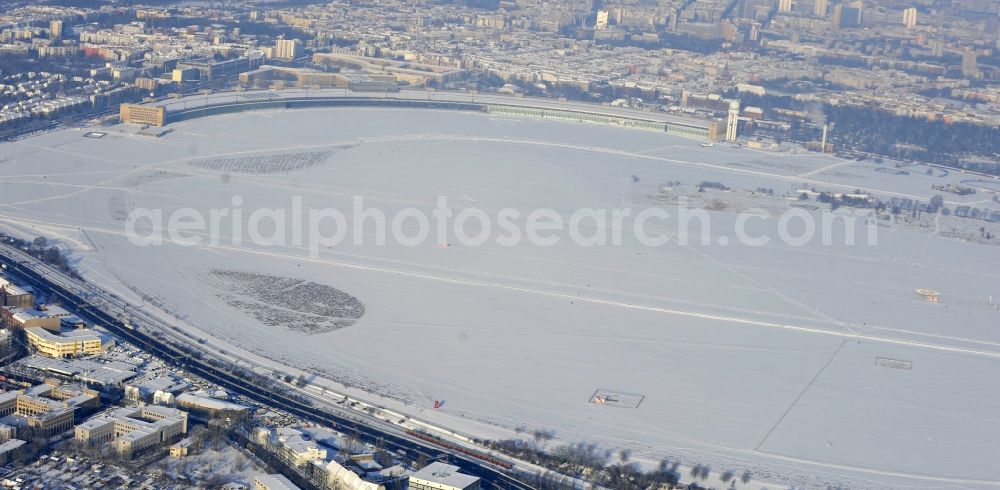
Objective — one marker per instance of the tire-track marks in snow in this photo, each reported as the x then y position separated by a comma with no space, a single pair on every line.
678,302
808,329
875,471
784,413
654,309
479,139
780,295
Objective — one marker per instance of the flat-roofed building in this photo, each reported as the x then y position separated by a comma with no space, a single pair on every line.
9,450
210,70
44,409
15,296
45,316
6,339
293,444
207,408
109,374
180,75
288,49
267,75
71,394
143,114
133,429
161,390
147,84
273,482
181,448
67,342
442,476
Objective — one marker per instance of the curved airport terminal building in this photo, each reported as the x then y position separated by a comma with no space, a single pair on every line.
183,108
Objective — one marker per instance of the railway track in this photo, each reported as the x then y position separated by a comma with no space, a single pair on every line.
82,299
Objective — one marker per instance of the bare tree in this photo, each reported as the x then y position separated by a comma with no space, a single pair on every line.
726,476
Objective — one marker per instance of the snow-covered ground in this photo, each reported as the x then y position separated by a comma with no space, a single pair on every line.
809,365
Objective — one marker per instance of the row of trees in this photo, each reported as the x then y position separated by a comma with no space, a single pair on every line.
41,249
872,130
589,462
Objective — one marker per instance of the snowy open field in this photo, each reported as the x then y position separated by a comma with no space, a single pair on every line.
765,358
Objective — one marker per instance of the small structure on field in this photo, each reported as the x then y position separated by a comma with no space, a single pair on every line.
929,295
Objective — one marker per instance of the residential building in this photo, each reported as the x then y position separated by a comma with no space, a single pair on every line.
273,482
287,49
337,476
181,448
294,446
821,7
56,29
9,450
910,17
970,67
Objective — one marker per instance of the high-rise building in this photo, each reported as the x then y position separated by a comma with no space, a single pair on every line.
856,11
784,5
755,31
910,17
755,9
602,19
970,68
937,49
288,49
849,15
56,29
821,7
729,30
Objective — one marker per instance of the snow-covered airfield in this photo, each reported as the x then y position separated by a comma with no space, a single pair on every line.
809,365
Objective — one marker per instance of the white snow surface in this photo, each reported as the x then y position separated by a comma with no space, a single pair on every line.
761,358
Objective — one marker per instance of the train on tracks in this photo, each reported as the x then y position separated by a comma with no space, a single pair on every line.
437,441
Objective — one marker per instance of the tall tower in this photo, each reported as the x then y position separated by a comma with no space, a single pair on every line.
733,122
784,5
